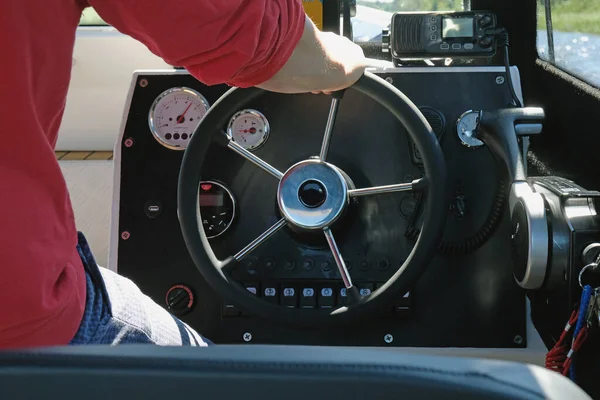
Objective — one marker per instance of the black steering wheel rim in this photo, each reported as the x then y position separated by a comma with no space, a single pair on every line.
211,268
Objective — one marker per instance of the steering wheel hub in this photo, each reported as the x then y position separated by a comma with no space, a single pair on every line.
312,195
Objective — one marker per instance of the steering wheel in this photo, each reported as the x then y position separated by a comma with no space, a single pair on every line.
312,196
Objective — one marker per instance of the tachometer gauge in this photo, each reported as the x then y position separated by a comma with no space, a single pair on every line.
249,128
217,208
175,115
466,127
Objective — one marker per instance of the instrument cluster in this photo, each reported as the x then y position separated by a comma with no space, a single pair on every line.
174,117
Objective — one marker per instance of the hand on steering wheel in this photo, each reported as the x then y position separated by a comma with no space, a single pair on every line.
312,196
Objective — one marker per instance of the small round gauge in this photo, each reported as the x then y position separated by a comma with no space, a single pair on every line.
466,127
175,115
217,208
249,128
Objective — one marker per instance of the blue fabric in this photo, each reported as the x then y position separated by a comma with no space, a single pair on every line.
586,295
117,312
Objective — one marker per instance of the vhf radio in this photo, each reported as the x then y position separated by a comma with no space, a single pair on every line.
423,35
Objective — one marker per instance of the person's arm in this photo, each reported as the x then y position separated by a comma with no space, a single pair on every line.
265,43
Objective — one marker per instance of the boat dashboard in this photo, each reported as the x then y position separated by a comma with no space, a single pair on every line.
465,297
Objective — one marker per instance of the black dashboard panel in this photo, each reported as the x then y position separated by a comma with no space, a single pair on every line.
467,296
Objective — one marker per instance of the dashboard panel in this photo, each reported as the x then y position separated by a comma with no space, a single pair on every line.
466,298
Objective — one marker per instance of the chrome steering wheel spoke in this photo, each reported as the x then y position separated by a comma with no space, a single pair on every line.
263,237
333,109
254,159
352,293
417,184
337,256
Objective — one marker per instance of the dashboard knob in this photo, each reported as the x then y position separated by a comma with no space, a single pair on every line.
485,21
179,299
486,42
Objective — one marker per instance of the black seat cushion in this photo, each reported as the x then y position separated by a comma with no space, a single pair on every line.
267,373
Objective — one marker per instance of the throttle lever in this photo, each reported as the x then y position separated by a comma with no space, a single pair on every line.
499,130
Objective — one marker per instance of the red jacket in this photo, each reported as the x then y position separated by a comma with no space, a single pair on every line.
42,281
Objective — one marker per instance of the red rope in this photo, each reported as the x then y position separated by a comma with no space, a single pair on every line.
556,357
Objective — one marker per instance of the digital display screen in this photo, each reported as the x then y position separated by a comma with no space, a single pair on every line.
211,200
457,27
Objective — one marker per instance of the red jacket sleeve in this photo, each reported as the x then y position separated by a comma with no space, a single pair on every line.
239,42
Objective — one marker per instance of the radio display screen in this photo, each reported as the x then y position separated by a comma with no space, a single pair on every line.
457,27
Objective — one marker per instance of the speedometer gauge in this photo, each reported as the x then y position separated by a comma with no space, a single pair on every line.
249,128
217,208
175,115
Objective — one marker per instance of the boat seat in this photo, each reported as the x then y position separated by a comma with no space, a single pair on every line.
244,372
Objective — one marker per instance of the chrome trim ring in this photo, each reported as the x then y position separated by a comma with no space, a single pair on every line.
312,218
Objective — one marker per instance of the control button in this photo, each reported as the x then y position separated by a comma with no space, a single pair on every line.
289,297
402,311
308,264
326,298
485,20
326,265
365,289
153,208
252,288
485,42
403,307
348,264
270,294
444,46
308,298
432,19
179,299
433,28
433,37
342,299
269,263
407,206
250,264
229,310
365,265
468,46
456,46
289,265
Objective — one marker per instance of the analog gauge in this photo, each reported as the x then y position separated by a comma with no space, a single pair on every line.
249,128
217,208
175,115
466,127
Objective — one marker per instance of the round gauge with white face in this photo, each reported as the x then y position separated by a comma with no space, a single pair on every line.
175,115
466,127
249,128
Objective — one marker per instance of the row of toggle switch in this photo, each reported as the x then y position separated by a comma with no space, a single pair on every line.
308,295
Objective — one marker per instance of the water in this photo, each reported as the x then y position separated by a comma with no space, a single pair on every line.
576,53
